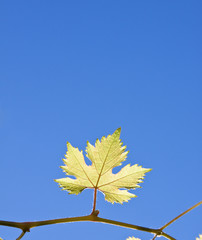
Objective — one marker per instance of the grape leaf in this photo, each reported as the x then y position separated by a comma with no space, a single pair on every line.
132,238
200,237
104,156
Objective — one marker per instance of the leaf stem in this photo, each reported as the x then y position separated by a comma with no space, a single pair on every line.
94,200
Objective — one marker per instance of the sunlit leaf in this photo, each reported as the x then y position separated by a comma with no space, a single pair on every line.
132,238
104,156
200,237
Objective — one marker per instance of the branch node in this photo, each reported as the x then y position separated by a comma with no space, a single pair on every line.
95,213
26,226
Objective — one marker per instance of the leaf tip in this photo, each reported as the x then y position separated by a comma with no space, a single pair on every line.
68,145
118,131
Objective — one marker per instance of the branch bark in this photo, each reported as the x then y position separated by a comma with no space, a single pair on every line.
26,226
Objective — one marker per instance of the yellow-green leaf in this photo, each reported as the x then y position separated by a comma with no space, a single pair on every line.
132,238
105,155
200,237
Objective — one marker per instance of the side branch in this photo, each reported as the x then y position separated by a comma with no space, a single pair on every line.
188,210
21,235
180,215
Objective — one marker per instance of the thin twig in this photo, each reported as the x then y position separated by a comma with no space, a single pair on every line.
21,235
174,219
155,236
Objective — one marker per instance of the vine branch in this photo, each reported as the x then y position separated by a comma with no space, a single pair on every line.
26,226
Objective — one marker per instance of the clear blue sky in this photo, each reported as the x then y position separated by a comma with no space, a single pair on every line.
77,70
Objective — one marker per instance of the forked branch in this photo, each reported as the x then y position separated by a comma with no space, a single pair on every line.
179,216
26,226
